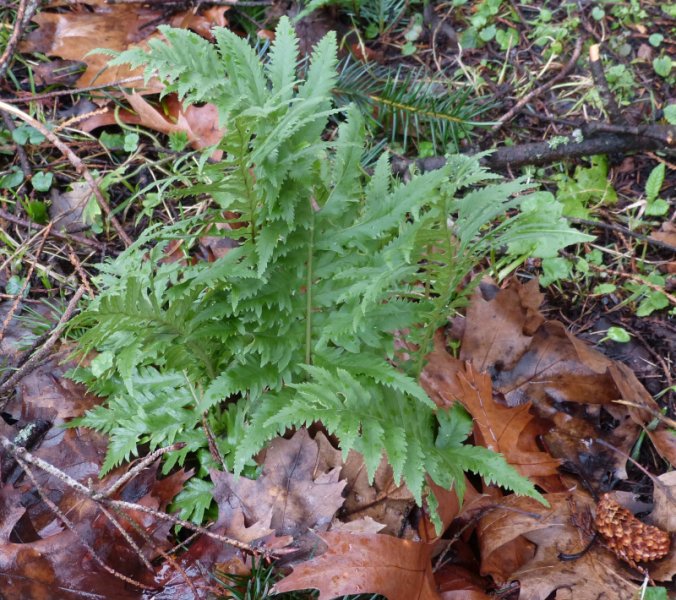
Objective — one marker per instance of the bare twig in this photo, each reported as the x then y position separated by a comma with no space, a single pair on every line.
24,14
75,261
187,524
21,454
84,90
540,89
663,135
544,153
27,363
54,233
637,278
74,160
71,527
131,473
655,413
601,83
624,230
656,480
168,557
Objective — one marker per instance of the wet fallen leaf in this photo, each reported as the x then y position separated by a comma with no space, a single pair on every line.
458,583
500,324
544,533
383,500
290,496
511,431
358,564
199,123
570,384
663,516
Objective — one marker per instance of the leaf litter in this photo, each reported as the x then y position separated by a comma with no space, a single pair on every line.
77,35
528,385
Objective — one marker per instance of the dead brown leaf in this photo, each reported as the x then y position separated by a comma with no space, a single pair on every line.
544,533
290,496
663,516
199,123
358,564
512,431
458,583
383,501
93,24
510,316
570,384
501,429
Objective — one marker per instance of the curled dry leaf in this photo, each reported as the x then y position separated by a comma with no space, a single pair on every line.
570,384
360,564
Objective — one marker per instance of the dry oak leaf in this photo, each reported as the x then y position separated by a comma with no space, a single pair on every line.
359,564
545,533
290,496
500,323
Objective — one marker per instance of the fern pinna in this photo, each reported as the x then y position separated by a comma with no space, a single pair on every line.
296,324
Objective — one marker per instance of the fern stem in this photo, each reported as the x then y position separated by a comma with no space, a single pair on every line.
308,292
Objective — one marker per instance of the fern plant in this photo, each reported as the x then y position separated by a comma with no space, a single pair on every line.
297,323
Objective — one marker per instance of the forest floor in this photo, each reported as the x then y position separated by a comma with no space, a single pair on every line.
578,97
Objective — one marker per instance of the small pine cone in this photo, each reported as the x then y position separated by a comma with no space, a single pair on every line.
630,539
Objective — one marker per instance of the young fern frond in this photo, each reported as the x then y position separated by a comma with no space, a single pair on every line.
297,323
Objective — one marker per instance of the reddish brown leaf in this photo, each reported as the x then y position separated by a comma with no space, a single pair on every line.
501,428
358,564
506,430
458,583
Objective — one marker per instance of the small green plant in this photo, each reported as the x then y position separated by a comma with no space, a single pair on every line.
257,585
653,185
297,323
377,14
587,188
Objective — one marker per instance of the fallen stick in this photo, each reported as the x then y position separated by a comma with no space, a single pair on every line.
650,137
